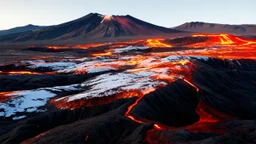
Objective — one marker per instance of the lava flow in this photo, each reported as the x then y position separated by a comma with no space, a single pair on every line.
18,73
102,54
157,43
226,39
127,113
209,121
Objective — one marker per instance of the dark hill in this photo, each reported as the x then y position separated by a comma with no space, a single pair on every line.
202,27
27,28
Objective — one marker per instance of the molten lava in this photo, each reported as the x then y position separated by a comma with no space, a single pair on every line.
5,96
226,39
209,120
97,101
102,54
18,73
93,45
157,43
197,89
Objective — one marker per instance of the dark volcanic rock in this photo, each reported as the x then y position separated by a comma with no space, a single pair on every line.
76,124
202,27
173,105
240,132
228,89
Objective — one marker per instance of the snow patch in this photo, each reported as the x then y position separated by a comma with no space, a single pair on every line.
110,84
129,48
31,100
53,66
18,117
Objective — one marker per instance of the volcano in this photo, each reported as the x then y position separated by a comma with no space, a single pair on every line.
93,26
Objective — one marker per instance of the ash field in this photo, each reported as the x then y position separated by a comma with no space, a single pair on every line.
151,88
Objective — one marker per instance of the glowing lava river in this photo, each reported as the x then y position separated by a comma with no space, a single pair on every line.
196,89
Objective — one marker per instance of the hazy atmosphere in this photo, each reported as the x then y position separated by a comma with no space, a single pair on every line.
165,12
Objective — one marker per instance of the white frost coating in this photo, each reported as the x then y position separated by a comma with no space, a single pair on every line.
31,100
109,84
201,58
129,48
140,78
238,63
82,59
53,66
171,58
32,62
25,100
94,66
99,69
18,117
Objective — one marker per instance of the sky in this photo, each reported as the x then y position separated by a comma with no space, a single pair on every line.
168,13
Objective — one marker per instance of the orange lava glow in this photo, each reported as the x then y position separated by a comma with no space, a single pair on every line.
226,39
86,46
107,17
209,119
30,141
127,113
102,54
53,47
197,89
19,73
94,101
208,122
157,43
121,44
156,126
225,53
56,47
4,96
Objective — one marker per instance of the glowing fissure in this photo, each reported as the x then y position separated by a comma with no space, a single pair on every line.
197,89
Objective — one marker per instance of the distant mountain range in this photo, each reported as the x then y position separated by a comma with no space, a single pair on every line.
21,29
97,27
201,27
92,27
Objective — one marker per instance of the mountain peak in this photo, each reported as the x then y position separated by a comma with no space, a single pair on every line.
95,26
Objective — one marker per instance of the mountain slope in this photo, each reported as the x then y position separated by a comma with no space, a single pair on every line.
202,27
93,26
21,29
